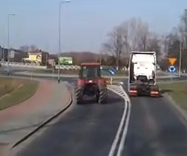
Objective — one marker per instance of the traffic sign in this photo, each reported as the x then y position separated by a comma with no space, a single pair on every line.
171,69
172,60
112,72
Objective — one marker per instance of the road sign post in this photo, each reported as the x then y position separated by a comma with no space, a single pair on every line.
32,70
111,79
112,72
172,68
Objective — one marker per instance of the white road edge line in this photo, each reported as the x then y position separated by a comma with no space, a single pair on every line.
114,144
122,142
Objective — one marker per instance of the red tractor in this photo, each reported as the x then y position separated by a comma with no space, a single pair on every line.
90,83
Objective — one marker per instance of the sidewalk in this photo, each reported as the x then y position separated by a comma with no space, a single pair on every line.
17,121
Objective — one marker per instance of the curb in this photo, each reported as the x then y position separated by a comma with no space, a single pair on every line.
181,114
13,145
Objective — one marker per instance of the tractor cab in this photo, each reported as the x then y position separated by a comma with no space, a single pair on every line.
90,71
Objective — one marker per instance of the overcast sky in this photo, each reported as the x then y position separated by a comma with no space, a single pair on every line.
85,23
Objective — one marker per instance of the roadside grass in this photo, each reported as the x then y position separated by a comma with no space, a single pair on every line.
14,91
178,91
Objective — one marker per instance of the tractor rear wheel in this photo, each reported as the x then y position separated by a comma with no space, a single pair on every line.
79,94
102,95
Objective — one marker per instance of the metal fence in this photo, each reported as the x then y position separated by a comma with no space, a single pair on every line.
23,65
35,66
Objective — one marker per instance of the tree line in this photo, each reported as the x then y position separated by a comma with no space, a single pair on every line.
134,35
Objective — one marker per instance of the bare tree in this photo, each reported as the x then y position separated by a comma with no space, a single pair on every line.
183,28
27,48
154,43
33,48
137,33
116,43
24,48
164,45
132,34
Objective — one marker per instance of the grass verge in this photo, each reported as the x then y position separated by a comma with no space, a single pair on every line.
178,91
14,91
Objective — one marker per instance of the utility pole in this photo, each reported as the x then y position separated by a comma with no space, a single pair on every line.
8,45
59,33
180,59
59,40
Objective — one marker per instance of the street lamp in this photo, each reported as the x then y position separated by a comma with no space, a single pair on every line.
182,47
180,58
8,46
59,33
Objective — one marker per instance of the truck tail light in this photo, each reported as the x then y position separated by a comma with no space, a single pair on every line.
80,82
154,92
133,91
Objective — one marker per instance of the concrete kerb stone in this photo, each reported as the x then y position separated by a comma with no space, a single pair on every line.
56,114
182,115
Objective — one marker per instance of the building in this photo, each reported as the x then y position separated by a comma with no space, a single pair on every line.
37,57
3,54
14,55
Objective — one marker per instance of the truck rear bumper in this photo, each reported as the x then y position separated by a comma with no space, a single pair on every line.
143,90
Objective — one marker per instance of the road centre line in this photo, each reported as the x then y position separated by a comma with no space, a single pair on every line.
122,142
124,95
114,144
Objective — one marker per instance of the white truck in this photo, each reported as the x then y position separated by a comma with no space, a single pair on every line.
142,74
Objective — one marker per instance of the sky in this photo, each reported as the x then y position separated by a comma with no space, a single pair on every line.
84,23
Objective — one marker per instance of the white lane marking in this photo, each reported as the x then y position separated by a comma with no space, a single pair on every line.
114,144
120,91
126,95
122,142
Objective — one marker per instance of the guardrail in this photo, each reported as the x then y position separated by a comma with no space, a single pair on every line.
35,66
23,65
68,67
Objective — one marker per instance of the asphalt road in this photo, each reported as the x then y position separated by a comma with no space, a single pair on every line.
85,130
73,79
155,129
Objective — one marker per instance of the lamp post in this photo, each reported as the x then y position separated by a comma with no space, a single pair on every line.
180,58
59,33
8,46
